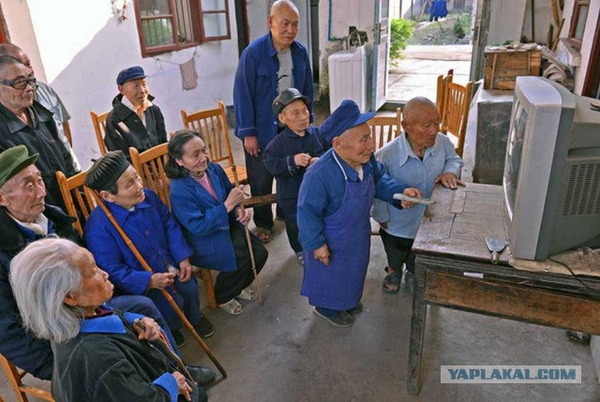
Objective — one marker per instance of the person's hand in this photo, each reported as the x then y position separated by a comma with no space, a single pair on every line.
302,160
411,192
161,280
185,270
322,254
182,385
313,160
251,145
243,215
236,195
147,328
449,180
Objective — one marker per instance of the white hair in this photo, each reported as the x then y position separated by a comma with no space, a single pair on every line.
41,276
281,3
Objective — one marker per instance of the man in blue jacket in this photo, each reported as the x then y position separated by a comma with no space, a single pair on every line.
269,65
153,231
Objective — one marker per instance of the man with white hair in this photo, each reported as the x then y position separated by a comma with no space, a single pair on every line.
269,65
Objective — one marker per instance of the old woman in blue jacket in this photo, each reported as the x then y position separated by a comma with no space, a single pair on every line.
207,207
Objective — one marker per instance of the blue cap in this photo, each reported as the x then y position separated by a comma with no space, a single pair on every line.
131,73
346,116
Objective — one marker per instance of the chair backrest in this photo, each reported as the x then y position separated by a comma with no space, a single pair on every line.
150,165
67,131
99,122
212,124
456,112
385,128
442,83
15,380
79,201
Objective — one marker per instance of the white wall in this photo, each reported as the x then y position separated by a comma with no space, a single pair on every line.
586,44
506,21
82,47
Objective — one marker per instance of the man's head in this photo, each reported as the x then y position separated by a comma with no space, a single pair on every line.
291,108
17,84
22,189
132,84
347,130
283,23
421,123
8,49
116,180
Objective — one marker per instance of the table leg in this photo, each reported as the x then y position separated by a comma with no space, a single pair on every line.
417,329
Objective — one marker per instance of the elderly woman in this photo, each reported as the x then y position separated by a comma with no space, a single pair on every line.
207,207
99,354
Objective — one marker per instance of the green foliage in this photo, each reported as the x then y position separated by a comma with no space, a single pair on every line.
401,30
462,25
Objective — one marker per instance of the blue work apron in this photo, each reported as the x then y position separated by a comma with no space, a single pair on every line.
339,285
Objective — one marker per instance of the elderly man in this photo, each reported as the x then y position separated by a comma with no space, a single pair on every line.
333,215
24,121
289,154
134,120
25,218
420,158
268,66
48,98
155,233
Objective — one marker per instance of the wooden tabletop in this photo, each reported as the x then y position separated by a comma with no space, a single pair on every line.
460,220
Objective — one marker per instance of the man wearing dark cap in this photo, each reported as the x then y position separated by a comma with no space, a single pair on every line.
289,154
333,215
25,218
23,121
134,120
154,232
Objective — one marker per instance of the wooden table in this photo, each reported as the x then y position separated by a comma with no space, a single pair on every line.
454,270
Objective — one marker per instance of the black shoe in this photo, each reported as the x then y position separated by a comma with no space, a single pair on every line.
356,310
205,329
341,320
179,338
202,375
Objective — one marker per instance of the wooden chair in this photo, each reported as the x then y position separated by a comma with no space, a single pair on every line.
99,122
79,202
212,124
15,377
150,165
456,112
385,128
442,82
67,131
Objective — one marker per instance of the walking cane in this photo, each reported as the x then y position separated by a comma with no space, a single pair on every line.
164,292
249,242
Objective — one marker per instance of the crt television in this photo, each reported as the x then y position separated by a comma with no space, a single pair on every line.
552,170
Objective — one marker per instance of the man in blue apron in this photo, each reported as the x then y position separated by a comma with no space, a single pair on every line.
333,215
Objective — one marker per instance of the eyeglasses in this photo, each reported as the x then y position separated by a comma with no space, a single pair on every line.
20,83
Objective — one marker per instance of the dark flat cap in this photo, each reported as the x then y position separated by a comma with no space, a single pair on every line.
346,116
105,171
131,73
14,160
286,97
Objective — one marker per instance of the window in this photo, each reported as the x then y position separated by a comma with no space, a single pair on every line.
578,19
167,25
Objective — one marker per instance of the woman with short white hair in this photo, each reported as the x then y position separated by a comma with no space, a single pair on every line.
99,354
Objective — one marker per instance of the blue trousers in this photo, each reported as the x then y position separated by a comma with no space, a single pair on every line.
187,297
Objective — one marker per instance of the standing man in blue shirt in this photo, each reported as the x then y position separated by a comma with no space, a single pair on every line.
268,66
333,215
420,158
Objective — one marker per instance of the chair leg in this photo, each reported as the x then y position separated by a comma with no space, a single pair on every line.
210,288
14,378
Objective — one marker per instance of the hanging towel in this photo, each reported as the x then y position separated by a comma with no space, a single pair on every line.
189,76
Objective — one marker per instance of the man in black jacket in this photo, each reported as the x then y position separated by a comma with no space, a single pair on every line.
134,120
23,121
24,218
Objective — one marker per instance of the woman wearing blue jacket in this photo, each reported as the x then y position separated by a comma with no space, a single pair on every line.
207,207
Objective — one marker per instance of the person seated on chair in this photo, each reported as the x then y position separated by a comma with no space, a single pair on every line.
134,120
99,354
148,223
24,121
421,157
289,154
208,208
25,218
